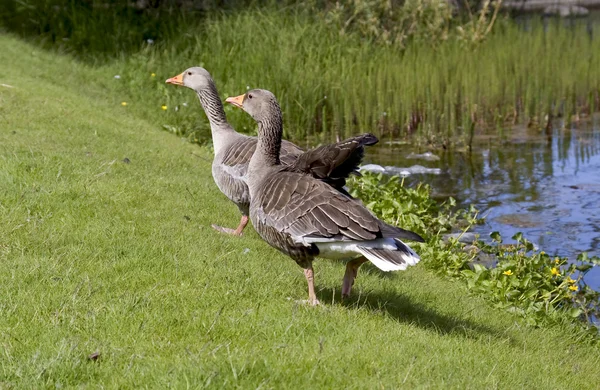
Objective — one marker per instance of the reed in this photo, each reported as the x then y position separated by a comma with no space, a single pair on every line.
331,85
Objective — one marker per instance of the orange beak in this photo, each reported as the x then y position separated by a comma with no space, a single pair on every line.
177,80
237,101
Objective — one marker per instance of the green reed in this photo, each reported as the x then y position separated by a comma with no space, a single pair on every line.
333,86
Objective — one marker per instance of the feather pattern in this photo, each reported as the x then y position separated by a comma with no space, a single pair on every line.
323,217
233,150
230,166
294,209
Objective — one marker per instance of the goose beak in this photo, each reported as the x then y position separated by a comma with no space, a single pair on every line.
177,80
237,101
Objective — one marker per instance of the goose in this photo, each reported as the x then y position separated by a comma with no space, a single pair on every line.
232,150
304,217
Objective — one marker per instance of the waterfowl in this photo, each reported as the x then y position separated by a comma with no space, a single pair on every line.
232,150
304,217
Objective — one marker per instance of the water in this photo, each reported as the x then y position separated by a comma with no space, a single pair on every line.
546,187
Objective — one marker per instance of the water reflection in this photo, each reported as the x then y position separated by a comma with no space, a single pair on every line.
546,187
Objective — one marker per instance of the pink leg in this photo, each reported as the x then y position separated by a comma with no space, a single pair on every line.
237,231
242,225
310,278
350,275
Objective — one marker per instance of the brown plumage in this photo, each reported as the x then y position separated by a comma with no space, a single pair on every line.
303,216
234,150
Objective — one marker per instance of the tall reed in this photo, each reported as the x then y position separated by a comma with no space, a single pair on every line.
331,85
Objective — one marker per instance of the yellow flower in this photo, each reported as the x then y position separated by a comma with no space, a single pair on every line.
507,273
571,281
164,107
556,260
123,104
554,271
153,75
574,288
542,253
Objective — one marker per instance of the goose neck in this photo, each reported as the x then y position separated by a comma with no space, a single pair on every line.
213,107
270,132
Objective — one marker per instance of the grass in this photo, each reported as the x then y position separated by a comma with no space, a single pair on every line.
331,84
100,255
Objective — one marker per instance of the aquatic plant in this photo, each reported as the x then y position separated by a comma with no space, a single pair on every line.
531,283
520,279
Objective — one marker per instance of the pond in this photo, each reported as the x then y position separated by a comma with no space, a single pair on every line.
547,187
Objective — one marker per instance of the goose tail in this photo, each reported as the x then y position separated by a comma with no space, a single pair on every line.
394,256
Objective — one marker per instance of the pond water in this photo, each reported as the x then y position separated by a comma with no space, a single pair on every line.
546,187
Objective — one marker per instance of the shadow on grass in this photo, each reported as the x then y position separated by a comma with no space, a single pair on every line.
402,309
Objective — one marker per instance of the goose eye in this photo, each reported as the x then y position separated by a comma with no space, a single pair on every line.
249,96
189,73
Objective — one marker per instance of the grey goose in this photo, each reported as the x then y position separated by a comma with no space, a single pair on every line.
304,217
232,150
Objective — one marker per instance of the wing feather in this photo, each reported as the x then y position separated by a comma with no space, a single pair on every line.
313,208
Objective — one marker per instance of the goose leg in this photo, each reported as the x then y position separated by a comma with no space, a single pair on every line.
350,275
310,278
237,231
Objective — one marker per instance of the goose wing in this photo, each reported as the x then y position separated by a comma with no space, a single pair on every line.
239,152
333,163
302,207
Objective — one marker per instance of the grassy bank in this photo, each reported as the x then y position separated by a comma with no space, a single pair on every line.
103,255
336,85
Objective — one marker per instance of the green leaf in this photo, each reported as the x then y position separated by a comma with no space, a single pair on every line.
526,280
584,267
496,236
530,293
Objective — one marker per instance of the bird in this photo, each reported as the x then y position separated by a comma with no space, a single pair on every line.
233,150
304,217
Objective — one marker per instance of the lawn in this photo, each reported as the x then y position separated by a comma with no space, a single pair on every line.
112,277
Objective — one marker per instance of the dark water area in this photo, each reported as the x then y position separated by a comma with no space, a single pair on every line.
548,188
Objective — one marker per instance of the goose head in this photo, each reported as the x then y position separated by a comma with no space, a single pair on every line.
196,78
259,103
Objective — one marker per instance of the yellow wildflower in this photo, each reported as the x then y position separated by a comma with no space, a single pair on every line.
556,260
507,273
554,271
153,75
574,288
571,281
123,104
542,253
164,107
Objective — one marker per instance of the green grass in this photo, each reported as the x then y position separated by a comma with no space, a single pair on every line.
99,255
330,84
339,85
